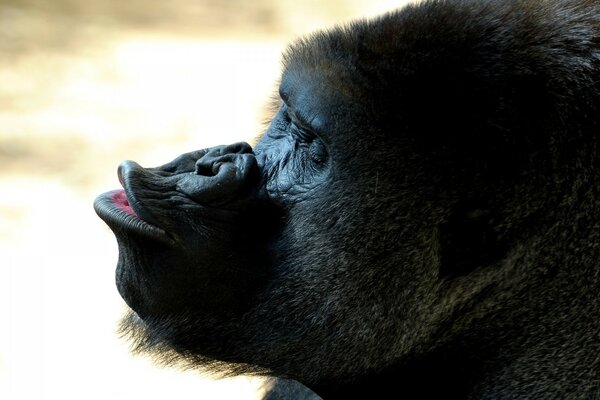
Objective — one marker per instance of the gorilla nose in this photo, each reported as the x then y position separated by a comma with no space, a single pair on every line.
239,155
223,174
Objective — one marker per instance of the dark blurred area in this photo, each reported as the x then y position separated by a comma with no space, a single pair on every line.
84,85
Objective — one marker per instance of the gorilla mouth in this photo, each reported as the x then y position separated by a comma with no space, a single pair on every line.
115,209
122,203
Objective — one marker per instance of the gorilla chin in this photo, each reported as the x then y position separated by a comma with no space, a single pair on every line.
421,215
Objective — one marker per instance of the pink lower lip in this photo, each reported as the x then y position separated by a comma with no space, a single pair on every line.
120,201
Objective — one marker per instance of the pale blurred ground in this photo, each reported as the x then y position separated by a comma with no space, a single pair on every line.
84,85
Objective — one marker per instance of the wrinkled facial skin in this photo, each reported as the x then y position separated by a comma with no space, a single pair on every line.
420,214
176,227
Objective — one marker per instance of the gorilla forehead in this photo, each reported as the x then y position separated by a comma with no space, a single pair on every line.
323,93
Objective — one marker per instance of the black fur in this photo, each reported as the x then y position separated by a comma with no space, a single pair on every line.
422,215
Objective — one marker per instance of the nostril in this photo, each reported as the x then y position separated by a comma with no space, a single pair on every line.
216,166
204,169
210,163
220,179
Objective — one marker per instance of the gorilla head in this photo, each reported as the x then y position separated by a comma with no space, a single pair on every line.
421,213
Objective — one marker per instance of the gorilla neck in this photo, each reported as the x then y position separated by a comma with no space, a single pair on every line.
478,370
515,343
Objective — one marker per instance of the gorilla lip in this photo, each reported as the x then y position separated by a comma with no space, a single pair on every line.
114,208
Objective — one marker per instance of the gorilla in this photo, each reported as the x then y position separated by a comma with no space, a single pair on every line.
422,215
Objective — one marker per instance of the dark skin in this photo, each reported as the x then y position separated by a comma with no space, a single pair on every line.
421,215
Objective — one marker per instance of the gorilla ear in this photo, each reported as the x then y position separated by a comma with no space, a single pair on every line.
469,239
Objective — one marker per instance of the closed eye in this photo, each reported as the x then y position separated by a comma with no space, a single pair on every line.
303,134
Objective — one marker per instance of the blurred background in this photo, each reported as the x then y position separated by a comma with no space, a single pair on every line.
84,85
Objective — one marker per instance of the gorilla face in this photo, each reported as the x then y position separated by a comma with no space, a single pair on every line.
272,241
402,203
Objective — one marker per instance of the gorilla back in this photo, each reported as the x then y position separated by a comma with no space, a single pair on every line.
422,214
